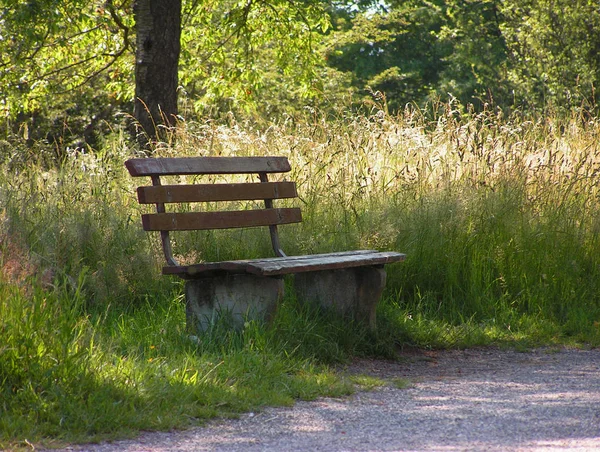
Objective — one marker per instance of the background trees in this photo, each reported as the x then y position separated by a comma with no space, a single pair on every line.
532,54
554,51
67,67
68,61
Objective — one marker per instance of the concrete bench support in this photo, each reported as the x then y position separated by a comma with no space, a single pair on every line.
237,297
352,292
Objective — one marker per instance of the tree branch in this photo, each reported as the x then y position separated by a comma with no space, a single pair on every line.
126,30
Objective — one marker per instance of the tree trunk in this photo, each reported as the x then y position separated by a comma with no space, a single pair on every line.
158,27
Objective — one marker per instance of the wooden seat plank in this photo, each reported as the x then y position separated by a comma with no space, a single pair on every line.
323,262
216,192
189,221
206,165
291,264
243,264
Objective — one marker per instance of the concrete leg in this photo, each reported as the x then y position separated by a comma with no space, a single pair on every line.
238,297
351,292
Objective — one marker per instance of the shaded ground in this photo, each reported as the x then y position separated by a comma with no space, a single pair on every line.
484,399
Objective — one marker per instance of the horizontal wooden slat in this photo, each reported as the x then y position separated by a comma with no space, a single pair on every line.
219,220
216,192
323,262
243,264
206,165
291,264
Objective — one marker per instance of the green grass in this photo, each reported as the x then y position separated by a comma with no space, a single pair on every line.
401,383
366,382
72,376
498,217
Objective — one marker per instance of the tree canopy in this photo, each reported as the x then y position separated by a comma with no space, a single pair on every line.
518,54
77,57
67,66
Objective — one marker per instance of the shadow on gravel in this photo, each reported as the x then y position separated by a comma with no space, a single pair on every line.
458,400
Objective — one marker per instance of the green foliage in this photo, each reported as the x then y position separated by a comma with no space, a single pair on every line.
245,43
51,49
474,69
67,68
421,50
396,53
514,53
554,47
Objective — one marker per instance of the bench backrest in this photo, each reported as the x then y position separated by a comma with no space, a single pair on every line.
160,195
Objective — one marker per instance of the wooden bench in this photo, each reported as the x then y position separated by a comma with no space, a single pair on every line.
351,282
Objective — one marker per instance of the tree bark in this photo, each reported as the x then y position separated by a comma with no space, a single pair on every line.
158,27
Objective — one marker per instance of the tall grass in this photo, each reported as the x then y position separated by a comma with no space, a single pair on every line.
498,217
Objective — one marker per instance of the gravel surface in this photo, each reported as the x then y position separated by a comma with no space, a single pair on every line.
483,399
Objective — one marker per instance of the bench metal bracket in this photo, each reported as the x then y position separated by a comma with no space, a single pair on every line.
164,235
272,229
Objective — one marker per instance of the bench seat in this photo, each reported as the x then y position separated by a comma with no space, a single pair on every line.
287,265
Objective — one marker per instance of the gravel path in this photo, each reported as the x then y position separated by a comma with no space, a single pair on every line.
482,399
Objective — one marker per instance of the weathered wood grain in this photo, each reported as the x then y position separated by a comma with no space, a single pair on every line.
216,192
291,264
190,221
206,165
